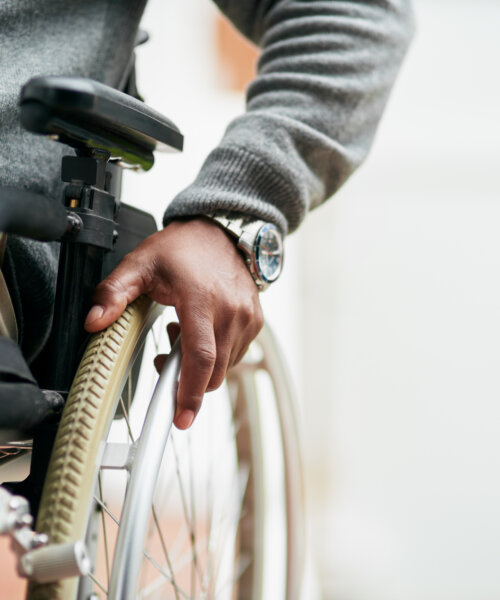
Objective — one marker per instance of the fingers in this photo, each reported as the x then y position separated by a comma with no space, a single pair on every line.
236,324
198,360
173,331
224,343
254,320
159,361
237,356
126,283
202,362
211,343
196,268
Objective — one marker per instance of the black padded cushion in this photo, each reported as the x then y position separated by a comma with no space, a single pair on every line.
31,215
84,112
22,404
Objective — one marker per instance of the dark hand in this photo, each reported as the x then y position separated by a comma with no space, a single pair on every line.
195,267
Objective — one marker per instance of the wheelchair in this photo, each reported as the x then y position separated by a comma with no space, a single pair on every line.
125,507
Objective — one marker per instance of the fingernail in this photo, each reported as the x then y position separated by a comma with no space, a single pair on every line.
185,419
95,313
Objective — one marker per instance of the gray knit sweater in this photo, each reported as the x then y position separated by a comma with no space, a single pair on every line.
324,76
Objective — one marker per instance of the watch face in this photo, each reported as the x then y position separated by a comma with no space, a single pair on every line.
269,253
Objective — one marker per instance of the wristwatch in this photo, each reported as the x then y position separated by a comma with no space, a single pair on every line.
261,244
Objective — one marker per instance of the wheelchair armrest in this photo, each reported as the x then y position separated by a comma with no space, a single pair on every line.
31,215
85,114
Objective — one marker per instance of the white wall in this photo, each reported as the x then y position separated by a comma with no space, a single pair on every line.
390,308
406,483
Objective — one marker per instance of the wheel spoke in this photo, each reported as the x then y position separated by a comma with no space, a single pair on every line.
192,536
104,532
222,538
129,395
165,551
125,414
209,510
98,583
106,509
155,585
194,566
166,575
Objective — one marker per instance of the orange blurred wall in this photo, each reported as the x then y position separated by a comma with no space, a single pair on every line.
236,57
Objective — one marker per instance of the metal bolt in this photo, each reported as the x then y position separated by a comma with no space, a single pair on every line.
15,503
39,539
74,223
23,521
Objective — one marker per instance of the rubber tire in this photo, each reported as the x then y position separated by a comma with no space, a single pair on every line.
69,487
87,416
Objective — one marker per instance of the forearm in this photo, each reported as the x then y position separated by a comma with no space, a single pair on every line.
324,76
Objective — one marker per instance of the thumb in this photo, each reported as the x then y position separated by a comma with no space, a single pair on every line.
112,296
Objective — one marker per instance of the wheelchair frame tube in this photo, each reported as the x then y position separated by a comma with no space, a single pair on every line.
80,268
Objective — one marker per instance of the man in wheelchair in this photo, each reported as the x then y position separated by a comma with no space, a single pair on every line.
325,72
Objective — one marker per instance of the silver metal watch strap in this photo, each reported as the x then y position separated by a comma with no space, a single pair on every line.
234,225
244,230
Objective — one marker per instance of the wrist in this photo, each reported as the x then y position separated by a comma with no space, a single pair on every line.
204,228
260,243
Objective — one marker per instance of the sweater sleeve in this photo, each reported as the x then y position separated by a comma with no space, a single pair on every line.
324,75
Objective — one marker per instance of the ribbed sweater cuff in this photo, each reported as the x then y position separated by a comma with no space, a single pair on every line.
235,180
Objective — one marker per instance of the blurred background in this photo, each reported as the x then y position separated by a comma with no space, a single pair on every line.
389,311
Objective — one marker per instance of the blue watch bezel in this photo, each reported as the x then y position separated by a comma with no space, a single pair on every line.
258,239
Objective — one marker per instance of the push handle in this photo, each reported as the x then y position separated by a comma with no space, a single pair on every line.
31,215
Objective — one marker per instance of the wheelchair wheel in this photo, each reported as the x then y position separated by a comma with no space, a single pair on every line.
225,517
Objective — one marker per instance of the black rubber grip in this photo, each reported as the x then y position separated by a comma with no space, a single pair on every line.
23,406
31,215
